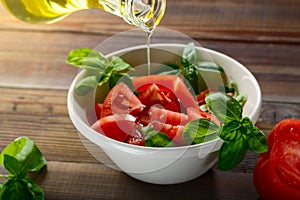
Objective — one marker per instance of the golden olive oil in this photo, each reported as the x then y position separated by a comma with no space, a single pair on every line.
142,13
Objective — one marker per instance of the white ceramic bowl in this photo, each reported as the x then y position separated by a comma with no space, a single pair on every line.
162,165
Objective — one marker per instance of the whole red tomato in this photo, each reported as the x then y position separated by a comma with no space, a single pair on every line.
277,172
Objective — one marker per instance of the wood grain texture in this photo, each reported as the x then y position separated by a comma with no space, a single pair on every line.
271,20
100,182
41,62
264,35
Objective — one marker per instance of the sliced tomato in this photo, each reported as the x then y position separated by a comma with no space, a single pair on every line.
167,116
174,132
277,172
197,113
173,83
117,126
201,96
136,138
143,119
98,109
151,94
135,141
121,100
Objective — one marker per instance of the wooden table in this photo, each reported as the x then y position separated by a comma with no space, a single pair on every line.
34,79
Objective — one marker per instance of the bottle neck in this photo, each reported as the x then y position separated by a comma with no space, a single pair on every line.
142,13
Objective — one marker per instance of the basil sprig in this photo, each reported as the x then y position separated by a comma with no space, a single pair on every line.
155,138
199,131
238,133
189,70
19,158
193,69
100,69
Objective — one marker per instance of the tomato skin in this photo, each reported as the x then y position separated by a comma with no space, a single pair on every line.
143,119
172,82
167,116
136,138
201,96
151,94
197,113
277,172
121,100
117,126
98,109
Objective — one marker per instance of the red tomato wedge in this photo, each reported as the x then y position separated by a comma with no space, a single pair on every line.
151,94
98,109
277,172
121,100
135,141
167,116
201,96
174,132
117,126
173,83
136,138
197,113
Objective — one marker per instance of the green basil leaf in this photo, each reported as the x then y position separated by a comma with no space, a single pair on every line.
188,55
200,130
113,69
117,64
257,142
211,66
13,166
87,58
241,98
232,153
35,190
191,74
158,139
246,122
105,75
171,72
230,131
224,107
26,152
15,189
120,77
86,84
21,189
171,69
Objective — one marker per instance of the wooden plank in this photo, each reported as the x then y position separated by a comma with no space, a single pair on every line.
37,60
236,19
42,116
227,20
65,180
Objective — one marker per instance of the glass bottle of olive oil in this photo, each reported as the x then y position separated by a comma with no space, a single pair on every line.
142,13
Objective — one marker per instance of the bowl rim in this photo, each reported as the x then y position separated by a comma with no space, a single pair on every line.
97,136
